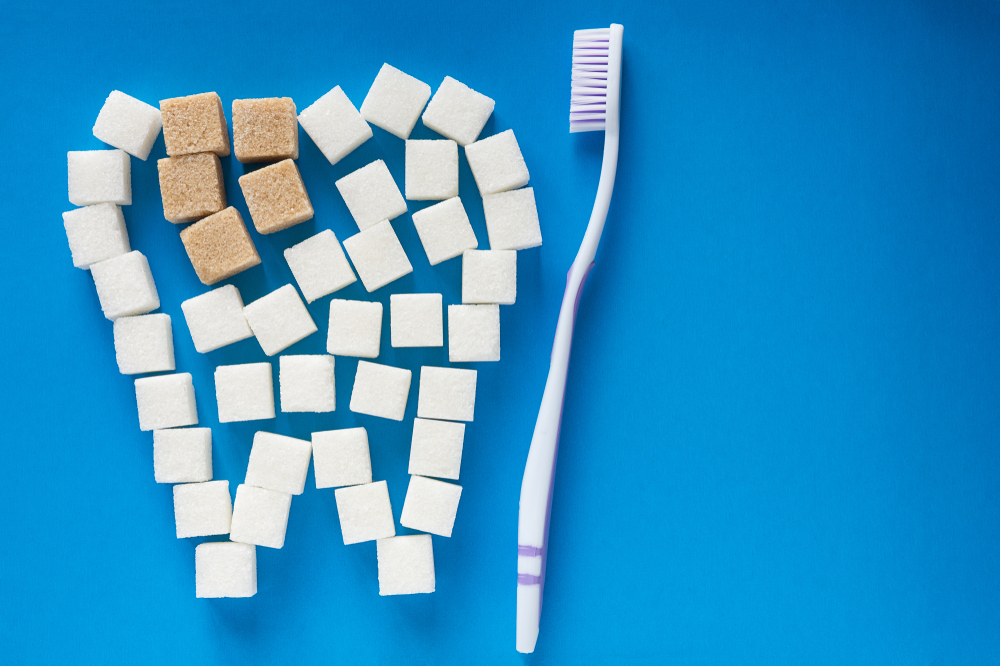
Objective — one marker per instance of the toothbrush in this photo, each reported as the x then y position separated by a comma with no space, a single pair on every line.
594,102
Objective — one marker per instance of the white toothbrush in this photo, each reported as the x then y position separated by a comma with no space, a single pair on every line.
594,102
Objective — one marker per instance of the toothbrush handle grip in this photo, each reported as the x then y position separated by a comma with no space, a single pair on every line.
539,471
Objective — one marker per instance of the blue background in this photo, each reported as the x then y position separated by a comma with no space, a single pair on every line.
780,442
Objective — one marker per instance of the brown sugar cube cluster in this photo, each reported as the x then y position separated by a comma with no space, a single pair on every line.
194,124
191,187
219,246
265,130
276,197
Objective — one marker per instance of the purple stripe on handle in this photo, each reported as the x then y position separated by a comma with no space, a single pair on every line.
528,551
579,293
576,301
528,579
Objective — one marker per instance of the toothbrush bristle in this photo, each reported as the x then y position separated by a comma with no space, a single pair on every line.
589,80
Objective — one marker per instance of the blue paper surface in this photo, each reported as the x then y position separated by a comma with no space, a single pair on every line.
780,441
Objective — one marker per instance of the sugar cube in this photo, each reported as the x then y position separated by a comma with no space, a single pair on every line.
279,463
447,393
341,458
99,176
395,101
194,124
512,220
276,197
219,246
473,333
125,285
444,230
279,319
365,512
307,383
405,565
165,401
225,569
202,509
260,516
378,256
371,195
244,392
144,344
216,318
182,455
380,390
319,265
457,111
128,124
430,506
436,448
416,320
191,187
334,125
355,328
431,170
489,276
265,129
96,233
496,163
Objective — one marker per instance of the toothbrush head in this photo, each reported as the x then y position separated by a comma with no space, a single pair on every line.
596,82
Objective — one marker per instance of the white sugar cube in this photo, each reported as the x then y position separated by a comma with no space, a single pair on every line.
202,509
355,328
365,512
279,463
129,124
216,319
165,401
489,276
144,344
395,101
279,319
225,569
447,393
430,506
405,565
436,448
341,458
371,195
334,125
431,170
444,230
306,383
125,285
319,265
416,320
260,516
512,220
96,233
182,455
473,333
99,176
497,164
457,111
378,256
244,392
380,390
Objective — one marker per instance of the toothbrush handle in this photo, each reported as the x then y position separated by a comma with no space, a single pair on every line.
539,471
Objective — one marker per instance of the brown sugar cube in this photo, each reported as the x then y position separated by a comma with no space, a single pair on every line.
265,130
276,197
191,187
194,124
219,246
